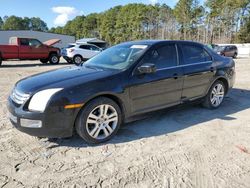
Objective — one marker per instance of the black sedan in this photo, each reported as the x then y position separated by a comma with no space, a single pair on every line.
126,80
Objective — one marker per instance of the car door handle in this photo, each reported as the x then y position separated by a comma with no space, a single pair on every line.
212,69
175,76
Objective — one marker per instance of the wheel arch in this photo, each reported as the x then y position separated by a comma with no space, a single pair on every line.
222,79
111,96
52,52
77,55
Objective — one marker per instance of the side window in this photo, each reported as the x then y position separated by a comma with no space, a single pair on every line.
34,42
94,48
163,56
24,42
194,54
85,47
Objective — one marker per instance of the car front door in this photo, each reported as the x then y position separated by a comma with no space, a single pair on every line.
198,70
85,51
160,89
38,50
95,50
227,51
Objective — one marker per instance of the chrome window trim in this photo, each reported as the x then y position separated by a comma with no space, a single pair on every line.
200,63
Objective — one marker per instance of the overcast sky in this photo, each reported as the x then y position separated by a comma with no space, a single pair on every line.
58,12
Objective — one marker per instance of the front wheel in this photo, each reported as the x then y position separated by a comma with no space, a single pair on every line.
235,55
54,59
99,120
215,95
1,61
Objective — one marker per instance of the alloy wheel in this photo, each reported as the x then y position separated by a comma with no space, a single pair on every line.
54,59
78,60
217,95
102,121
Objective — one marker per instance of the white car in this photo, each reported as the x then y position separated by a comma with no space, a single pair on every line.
77,53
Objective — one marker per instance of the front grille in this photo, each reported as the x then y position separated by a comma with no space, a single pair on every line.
19,97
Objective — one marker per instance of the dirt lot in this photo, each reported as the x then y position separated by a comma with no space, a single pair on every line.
186,147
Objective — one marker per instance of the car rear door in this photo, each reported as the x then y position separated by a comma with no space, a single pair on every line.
24,49
198,70
160,89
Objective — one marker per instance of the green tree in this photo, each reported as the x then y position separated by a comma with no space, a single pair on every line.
108,21
58,30
183,14
18,23
244,34
90,27
1,23
36,24
14,23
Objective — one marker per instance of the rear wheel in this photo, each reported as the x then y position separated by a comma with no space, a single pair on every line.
1,61
215,95
54,59
44,61
99,120
77,59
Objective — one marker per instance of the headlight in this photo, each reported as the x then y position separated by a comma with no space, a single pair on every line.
39,101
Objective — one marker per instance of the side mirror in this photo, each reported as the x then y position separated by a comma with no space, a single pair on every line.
147,68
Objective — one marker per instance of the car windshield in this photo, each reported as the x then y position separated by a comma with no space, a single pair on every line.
117,57
219,48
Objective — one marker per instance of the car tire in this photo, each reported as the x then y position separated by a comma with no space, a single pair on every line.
99,120
77,59
54,59
1,61
44,61
235,55
215,95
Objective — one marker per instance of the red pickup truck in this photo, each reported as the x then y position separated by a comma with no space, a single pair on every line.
30,49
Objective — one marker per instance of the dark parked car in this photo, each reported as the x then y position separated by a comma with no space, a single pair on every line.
129,79
228,51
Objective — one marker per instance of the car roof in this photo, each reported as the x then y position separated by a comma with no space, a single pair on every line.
155,42
85,43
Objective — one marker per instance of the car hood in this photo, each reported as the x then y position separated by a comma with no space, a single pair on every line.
51,42
61,78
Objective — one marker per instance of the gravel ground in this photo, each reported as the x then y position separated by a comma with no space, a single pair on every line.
185,147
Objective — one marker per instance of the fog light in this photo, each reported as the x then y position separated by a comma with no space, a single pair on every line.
31,123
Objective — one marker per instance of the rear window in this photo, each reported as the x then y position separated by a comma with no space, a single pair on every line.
24,42
194,54
163,56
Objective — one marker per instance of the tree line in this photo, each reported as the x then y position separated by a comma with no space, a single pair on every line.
19,23
215,21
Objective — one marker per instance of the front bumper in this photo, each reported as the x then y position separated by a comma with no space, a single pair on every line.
54,123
